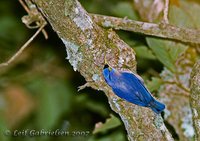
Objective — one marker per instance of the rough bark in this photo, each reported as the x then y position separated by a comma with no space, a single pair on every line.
87,45
162,30
195,98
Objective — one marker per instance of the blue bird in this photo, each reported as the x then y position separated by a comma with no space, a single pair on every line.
130,87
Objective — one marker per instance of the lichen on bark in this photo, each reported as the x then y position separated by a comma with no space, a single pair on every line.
195,98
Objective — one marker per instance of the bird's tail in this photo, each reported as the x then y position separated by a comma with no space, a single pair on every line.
156,106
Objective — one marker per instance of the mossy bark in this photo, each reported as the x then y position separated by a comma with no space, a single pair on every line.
195,98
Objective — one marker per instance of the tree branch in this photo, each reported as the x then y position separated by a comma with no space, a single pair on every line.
162,30
87,45
195,98
165,12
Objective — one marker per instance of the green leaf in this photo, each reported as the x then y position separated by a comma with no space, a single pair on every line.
96,107
5,136
144,52
167,52
154,84
179,17
115,136
110,123
193,10
186,15
53,99
124,9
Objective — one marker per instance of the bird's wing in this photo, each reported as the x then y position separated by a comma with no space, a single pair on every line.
136,86
129,73
129,96
139,77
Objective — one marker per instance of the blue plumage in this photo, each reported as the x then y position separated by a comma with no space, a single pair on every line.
130,87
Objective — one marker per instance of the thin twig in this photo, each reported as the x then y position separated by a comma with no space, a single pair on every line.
22,48
30,5
38,24
159,30
179,85
44,31
24,6
165,12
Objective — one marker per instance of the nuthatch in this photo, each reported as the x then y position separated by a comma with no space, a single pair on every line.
130,87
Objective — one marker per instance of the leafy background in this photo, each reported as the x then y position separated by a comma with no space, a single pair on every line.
39,90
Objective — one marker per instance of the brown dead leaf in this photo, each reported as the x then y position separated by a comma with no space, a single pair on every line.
19,105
